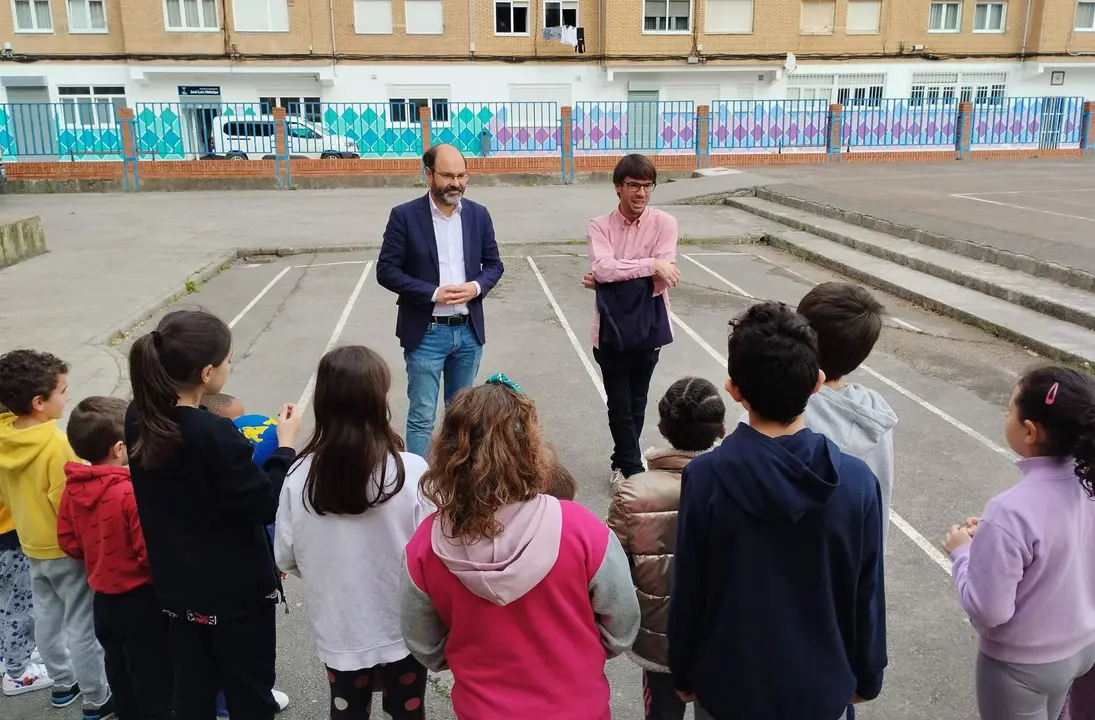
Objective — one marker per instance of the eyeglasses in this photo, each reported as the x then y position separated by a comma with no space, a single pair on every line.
501,379
449,177
636,187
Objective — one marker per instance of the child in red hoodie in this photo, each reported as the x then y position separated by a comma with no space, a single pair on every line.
98,523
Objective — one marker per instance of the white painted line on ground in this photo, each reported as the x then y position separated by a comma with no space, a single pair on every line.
339,327
715,275
719,254
908,325
254,300
922,542
570,333
1029,192
784,268
719,357
1024,207
329,264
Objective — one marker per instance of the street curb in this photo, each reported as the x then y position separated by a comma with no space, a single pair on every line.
966,248
1051,308
782,242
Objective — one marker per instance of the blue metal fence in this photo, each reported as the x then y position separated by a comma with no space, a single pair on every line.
639,126
899,122
502,128
60,131
768,124
1044,122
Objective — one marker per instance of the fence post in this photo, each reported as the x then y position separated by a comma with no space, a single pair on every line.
836,129
1087,130
703,136
965,131
129,148
425,116
566,142
281,148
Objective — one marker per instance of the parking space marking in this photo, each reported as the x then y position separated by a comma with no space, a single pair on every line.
329,264
715,275
335,334
255,300
570,332
1031,192
906,325
1022,207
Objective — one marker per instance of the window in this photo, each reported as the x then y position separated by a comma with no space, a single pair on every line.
510,18
405,110
424,17
729,16
945,17
983,88
863,17
667,16
305,107
989,17
817,17
191,14
249,128
33,16
373,17
1085,16
86,16
860,95
560,13
83,105
301,131
260,15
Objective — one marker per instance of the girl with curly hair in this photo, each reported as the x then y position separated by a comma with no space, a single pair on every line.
1023,570
522,595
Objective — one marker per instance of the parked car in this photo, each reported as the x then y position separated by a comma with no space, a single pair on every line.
242,138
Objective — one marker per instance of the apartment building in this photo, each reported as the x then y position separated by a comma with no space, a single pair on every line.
299,53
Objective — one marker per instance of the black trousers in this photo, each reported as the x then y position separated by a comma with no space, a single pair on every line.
660,699
132,629
626,377
235,655
403,683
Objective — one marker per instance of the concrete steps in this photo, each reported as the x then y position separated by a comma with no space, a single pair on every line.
1050,316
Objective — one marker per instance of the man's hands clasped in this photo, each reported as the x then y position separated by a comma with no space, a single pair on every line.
457,294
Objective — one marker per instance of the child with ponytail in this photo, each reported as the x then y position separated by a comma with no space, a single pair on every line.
204,507
1024,570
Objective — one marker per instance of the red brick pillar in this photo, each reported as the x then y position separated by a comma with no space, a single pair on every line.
836,129
126,118
424,117
703,136
1087,130
281,148
566,142
964,133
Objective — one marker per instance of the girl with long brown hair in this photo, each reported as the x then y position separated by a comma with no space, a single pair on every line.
524,596
348,508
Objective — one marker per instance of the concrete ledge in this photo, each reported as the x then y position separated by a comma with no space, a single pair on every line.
1064,302
1051,337
21,239
977,251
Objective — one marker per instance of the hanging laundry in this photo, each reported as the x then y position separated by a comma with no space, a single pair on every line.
553,33
569,36
581,48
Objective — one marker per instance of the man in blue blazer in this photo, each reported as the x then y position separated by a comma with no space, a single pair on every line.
440,256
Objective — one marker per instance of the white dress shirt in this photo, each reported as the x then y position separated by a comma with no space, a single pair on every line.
448,231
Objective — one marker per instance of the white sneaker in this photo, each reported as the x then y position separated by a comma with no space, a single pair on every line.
617,478
36,657
281,699
33,678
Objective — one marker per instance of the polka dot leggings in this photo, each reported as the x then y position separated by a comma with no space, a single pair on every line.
403,684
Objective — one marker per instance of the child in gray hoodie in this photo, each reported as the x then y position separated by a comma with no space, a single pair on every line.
848,321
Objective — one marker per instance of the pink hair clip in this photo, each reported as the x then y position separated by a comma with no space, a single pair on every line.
1052,394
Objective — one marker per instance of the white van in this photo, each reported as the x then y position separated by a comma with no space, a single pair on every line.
252,137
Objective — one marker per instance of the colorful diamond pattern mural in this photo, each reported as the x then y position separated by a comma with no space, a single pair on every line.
515,128
1042,121
899,122
368,125
763,124
640,126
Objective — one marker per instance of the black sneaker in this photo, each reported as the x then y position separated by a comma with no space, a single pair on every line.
103,712
65,696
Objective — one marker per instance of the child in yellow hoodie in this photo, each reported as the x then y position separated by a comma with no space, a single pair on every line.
33,453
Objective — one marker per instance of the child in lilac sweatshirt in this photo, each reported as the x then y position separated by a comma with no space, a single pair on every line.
1024,571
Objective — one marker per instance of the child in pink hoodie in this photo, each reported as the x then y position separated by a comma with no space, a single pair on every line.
523,596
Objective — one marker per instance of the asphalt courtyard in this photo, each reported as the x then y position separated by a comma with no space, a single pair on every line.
947,382
1044,208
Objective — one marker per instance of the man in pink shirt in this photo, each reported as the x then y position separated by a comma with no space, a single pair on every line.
634,248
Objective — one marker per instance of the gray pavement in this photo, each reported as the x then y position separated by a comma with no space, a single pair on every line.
1042,208
948,383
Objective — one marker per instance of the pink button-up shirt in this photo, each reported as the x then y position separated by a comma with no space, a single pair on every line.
620,249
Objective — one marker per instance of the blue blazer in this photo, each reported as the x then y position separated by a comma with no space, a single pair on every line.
408,265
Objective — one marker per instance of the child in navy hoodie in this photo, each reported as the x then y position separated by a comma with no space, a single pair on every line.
778,605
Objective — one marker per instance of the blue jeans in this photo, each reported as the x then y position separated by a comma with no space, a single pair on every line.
450,349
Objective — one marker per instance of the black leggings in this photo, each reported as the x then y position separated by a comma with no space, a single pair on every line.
403,683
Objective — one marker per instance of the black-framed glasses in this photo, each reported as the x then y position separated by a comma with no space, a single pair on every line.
636,186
